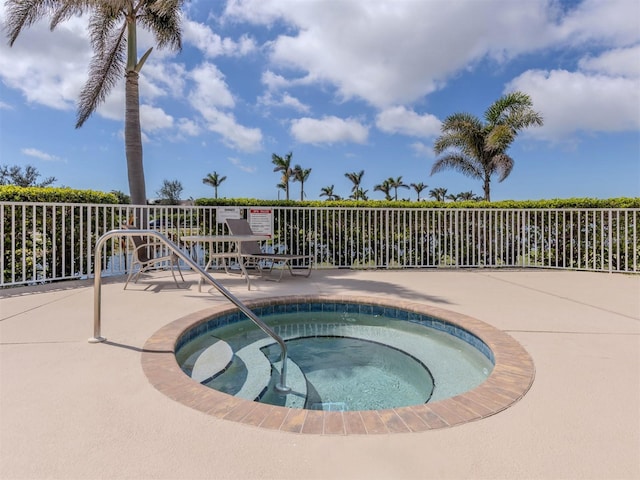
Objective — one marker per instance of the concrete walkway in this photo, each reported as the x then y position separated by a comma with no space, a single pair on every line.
74,410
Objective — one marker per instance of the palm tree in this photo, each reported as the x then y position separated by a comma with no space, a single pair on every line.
113,30
396,183
438,194
214,180
451,196
384,187
355,178
480,147
328,192
301,175
359,194
418,187
283,164
467,196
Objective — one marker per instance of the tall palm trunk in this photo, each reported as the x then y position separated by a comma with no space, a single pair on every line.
132,130
487,186
133,140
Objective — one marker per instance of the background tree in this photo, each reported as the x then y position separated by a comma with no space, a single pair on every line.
123,198
214,180
479,148
438,194
418,187
283,164
359,194
397,183
28,178
301,175
384,187
328,192
113,31
356,179
466,196
169,193
451,196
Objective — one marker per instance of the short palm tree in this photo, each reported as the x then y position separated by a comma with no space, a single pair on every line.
356,179
301,175
281,186
214,180
479,147
328,192
113,29
360,194
395,184
384,187
451,196
283,164
467,196
438,194
418,187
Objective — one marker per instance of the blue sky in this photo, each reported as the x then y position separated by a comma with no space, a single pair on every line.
346,85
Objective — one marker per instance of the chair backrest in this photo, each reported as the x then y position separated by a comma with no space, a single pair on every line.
239,226
144,255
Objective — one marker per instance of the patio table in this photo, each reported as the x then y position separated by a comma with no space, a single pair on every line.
235,240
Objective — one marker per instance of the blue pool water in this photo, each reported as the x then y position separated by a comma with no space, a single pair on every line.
341,357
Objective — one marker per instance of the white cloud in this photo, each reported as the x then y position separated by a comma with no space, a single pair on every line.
328,130
34,67
162,79
210,87
188,127
154,118
407,122
113,106
273,81
394,53
422,150
33,152
211,44
283,100
571,102
391,53
233,134
614,22
210,94
620,61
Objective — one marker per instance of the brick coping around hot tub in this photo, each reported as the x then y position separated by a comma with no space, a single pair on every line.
510,379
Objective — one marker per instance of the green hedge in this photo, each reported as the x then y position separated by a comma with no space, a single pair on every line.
622,202
50,232
67,195
11,193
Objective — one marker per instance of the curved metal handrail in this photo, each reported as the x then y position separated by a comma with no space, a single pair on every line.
97,293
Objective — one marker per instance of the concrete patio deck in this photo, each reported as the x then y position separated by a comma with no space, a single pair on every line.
71,409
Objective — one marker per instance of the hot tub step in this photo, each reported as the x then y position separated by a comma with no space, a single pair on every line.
211,361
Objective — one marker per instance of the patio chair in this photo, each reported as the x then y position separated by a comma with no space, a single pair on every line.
251,253
149,252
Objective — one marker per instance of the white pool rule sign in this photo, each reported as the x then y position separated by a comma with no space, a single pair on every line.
261,221
222,213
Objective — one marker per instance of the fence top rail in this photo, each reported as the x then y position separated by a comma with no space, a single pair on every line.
447,208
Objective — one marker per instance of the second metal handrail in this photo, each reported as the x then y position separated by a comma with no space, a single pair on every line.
97,294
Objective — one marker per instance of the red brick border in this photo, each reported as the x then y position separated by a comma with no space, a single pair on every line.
509,381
